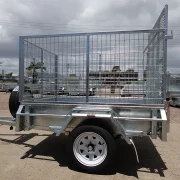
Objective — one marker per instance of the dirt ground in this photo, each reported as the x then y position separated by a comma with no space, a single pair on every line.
4,106
4,97
40,155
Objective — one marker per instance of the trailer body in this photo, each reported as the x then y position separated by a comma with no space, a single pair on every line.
173,88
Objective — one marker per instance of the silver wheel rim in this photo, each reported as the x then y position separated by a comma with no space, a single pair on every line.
90,149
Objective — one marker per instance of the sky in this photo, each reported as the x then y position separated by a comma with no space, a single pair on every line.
31,17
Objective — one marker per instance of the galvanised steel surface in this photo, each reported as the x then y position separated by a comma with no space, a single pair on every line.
122,67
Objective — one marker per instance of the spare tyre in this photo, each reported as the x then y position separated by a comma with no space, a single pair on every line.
14,101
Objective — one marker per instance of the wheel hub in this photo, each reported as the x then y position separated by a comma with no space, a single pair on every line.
90,149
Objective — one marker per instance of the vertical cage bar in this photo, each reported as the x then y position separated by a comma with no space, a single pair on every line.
167,81
56,75
21,69
100,69
42,64
87,68
165,50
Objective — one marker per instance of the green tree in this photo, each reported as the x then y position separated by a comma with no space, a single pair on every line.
9,75
130,70
116,69
32,69
145,74
114,81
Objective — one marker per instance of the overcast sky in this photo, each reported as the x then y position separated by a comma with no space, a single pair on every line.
30,17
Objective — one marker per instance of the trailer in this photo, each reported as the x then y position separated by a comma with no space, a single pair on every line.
173,89
104,85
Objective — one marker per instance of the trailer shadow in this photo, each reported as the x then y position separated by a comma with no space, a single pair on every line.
55,147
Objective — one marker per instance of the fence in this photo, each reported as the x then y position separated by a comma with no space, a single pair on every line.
5,87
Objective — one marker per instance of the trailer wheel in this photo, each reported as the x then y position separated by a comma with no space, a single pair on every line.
91,148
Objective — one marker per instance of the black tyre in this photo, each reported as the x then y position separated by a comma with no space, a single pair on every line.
14,99
91,148
14,102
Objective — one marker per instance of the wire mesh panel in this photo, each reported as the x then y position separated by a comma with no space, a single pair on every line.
55,67
155,68
162,19
125,68
104,68
39,69
157,61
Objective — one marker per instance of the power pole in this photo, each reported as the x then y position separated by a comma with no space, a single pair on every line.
2,70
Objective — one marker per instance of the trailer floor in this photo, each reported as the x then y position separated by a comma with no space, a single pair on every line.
93,99
40,155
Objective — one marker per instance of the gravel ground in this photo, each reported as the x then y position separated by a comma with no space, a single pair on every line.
41,155
175,115
4,98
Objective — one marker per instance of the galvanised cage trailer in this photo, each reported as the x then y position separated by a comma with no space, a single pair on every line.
173,88
94,87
